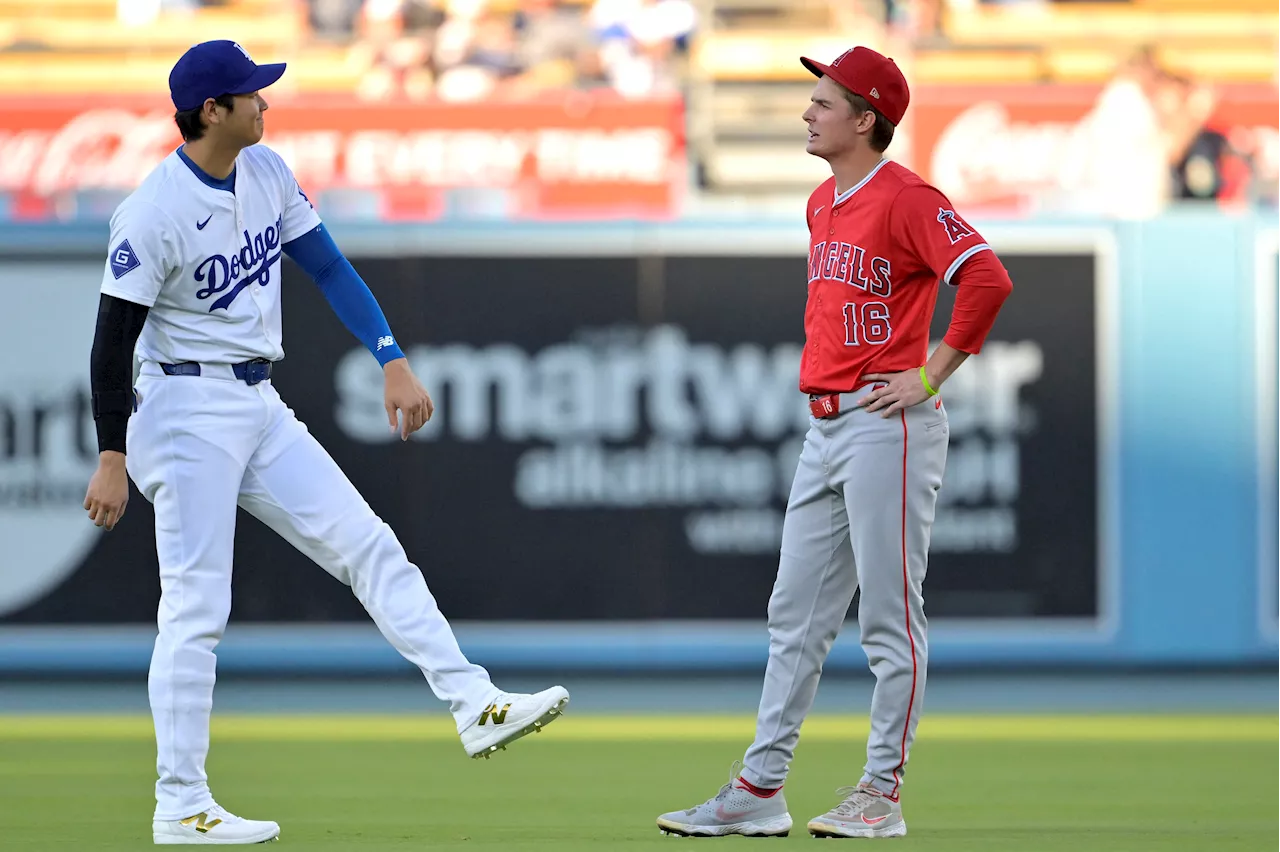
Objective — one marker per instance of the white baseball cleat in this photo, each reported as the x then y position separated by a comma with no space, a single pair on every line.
865,812
734,810
510,716
216,825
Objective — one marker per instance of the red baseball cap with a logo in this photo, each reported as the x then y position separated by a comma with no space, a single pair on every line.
866,73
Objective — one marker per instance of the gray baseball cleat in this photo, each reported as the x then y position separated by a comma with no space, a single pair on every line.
734,810
865,812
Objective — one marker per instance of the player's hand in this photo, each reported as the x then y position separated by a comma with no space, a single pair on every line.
405,394
108,491
902,390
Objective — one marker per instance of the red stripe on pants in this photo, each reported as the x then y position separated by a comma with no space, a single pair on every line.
906,606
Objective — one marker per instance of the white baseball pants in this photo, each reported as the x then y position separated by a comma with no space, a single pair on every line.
197,447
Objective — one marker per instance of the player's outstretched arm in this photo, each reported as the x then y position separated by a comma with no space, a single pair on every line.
110,370
405,398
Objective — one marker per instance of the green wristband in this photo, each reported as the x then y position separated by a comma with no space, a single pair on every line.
924,380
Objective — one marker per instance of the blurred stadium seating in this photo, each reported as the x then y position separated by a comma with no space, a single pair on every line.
731,63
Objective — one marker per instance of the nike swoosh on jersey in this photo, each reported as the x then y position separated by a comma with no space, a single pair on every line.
819,210
200,225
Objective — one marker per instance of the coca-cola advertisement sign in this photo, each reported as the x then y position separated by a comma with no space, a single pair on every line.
1076,147
571,155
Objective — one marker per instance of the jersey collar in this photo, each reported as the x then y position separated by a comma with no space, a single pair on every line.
842,197
228,184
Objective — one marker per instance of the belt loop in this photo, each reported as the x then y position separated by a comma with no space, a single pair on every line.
186,368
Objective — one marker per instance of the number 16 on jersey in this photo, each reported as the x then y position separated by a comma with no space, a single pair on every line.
866,322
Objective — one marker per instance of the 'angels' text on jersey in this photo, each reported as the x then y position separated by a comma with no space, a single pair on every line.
837,261
876,255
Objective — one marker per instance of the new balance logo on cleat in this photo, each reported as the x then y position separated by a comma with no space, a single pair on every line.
493,713
201,822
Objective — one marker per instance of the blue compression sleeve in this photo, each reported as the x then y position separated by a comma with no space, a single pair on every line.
348,295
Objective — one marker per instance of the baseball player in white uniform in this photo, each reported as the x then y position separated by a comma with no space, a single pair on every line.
188,333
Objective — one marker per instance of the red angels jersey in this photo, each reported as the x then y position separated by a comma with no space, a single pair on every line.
876,255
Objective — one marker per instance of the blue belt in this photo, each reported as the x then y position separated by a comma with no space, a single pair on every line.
249,372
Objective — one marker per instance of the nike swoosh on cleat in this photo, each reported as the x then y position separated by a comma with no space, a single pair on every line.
874,821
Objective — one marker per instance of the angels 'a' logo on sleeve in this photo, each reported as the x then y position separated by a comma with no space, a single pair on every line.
957,228
123,260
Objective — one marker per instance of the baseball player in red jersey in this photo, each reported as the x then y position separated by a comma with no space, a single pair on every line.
862,502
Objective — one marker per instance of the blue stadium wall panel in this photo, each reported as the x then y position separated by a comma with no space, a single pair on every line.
603,484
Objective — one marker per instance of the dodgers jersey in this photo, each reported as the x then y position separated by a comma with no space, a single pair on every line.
206,261
876,255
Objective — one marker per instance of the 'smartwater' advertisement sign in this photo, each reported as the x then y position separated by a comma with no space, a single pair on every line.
48,449
611,444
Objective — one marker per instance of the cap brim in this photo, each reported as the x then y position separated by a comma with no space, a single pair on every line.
816,68
262,77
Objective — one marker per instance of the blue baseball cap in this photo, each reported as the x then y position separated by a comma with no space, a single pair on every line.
215,68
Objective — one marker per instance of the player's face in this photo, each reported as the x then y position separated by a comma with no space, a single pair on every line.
244,123
833,130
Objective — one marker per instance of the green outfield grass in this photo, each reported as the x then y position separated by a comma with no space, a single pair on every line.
1031,784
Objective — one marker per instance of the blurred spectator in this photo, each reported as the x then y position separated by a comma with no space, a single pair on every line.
1121,162
641,42
916,21
397,38
1205,165
139,12
556,46
462,50
475,51
333,19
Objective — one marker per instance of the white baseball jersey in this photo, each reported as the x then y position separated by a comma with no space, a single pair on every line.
206,261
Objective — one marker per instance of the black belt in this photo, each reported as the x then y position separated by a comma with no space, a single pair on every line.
249,372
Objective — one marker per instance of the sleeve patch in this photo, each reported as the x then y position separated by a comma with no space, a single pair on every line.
123,260
957,228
